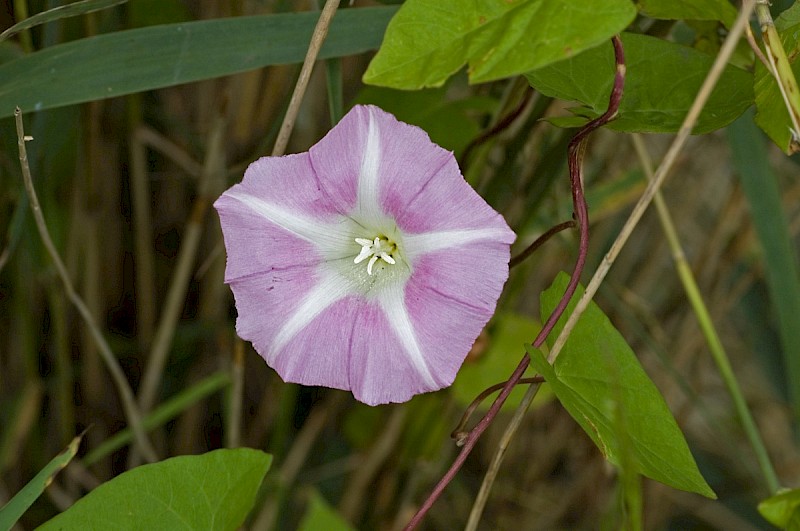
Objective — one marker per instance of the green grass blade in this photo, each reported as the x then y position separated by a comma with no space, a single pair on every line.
16,507
760,186
167,411
334,82
713,340
132,61
69,10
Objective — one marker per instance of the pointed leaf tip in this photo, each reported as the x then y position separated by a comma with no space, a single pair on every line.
600,382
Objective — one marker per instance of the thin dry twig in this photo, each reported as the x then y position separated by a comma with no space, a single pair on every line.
213,169
356,492
497,459
150,137
302,445
132,412
317,38
663,170
142,230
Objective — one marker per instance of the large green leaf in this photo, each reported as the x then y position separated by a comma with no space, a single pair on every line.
772,116
131,61
783,509
16,506
720,10
600,382
429,40
661,83
215,490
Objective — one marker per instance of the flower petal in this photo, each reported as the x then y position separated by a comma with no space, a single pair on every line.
256,245
330,237
337,159
450,297
393,304
444,201
290,182
278,217
376,167
368,153
369,176
329,289
381,371
472,275
297,322
353,345
264,299
310,305
319,353
420,244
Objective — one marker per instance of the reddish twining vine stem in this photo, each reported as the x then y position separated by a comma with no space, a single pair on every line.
541,240
575,155
458,433
500,126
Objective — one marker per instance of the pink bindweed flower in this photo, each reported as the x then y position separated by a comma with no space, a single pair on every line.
367,263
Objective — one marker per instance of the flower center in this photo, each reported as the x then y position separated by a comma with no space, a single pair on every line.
380,248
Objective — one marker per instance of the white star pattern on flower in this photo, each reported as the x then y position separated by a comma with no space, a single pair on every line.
436,259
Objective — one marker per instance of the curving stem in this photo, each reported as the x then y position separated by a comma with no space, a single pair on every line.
575,152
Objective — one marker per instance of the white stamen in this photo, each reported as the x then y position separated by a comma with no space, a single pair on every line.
370,264
379,248
363,255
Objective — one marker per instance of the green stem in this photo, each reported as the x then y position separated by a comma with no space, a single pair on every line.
707,326
781,69
333,77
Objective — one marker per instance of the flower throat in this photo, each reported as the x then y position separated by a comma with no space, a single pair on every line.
381,248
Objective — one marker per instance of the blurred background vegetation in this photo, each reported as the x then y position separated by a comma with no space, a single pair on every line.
126,185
